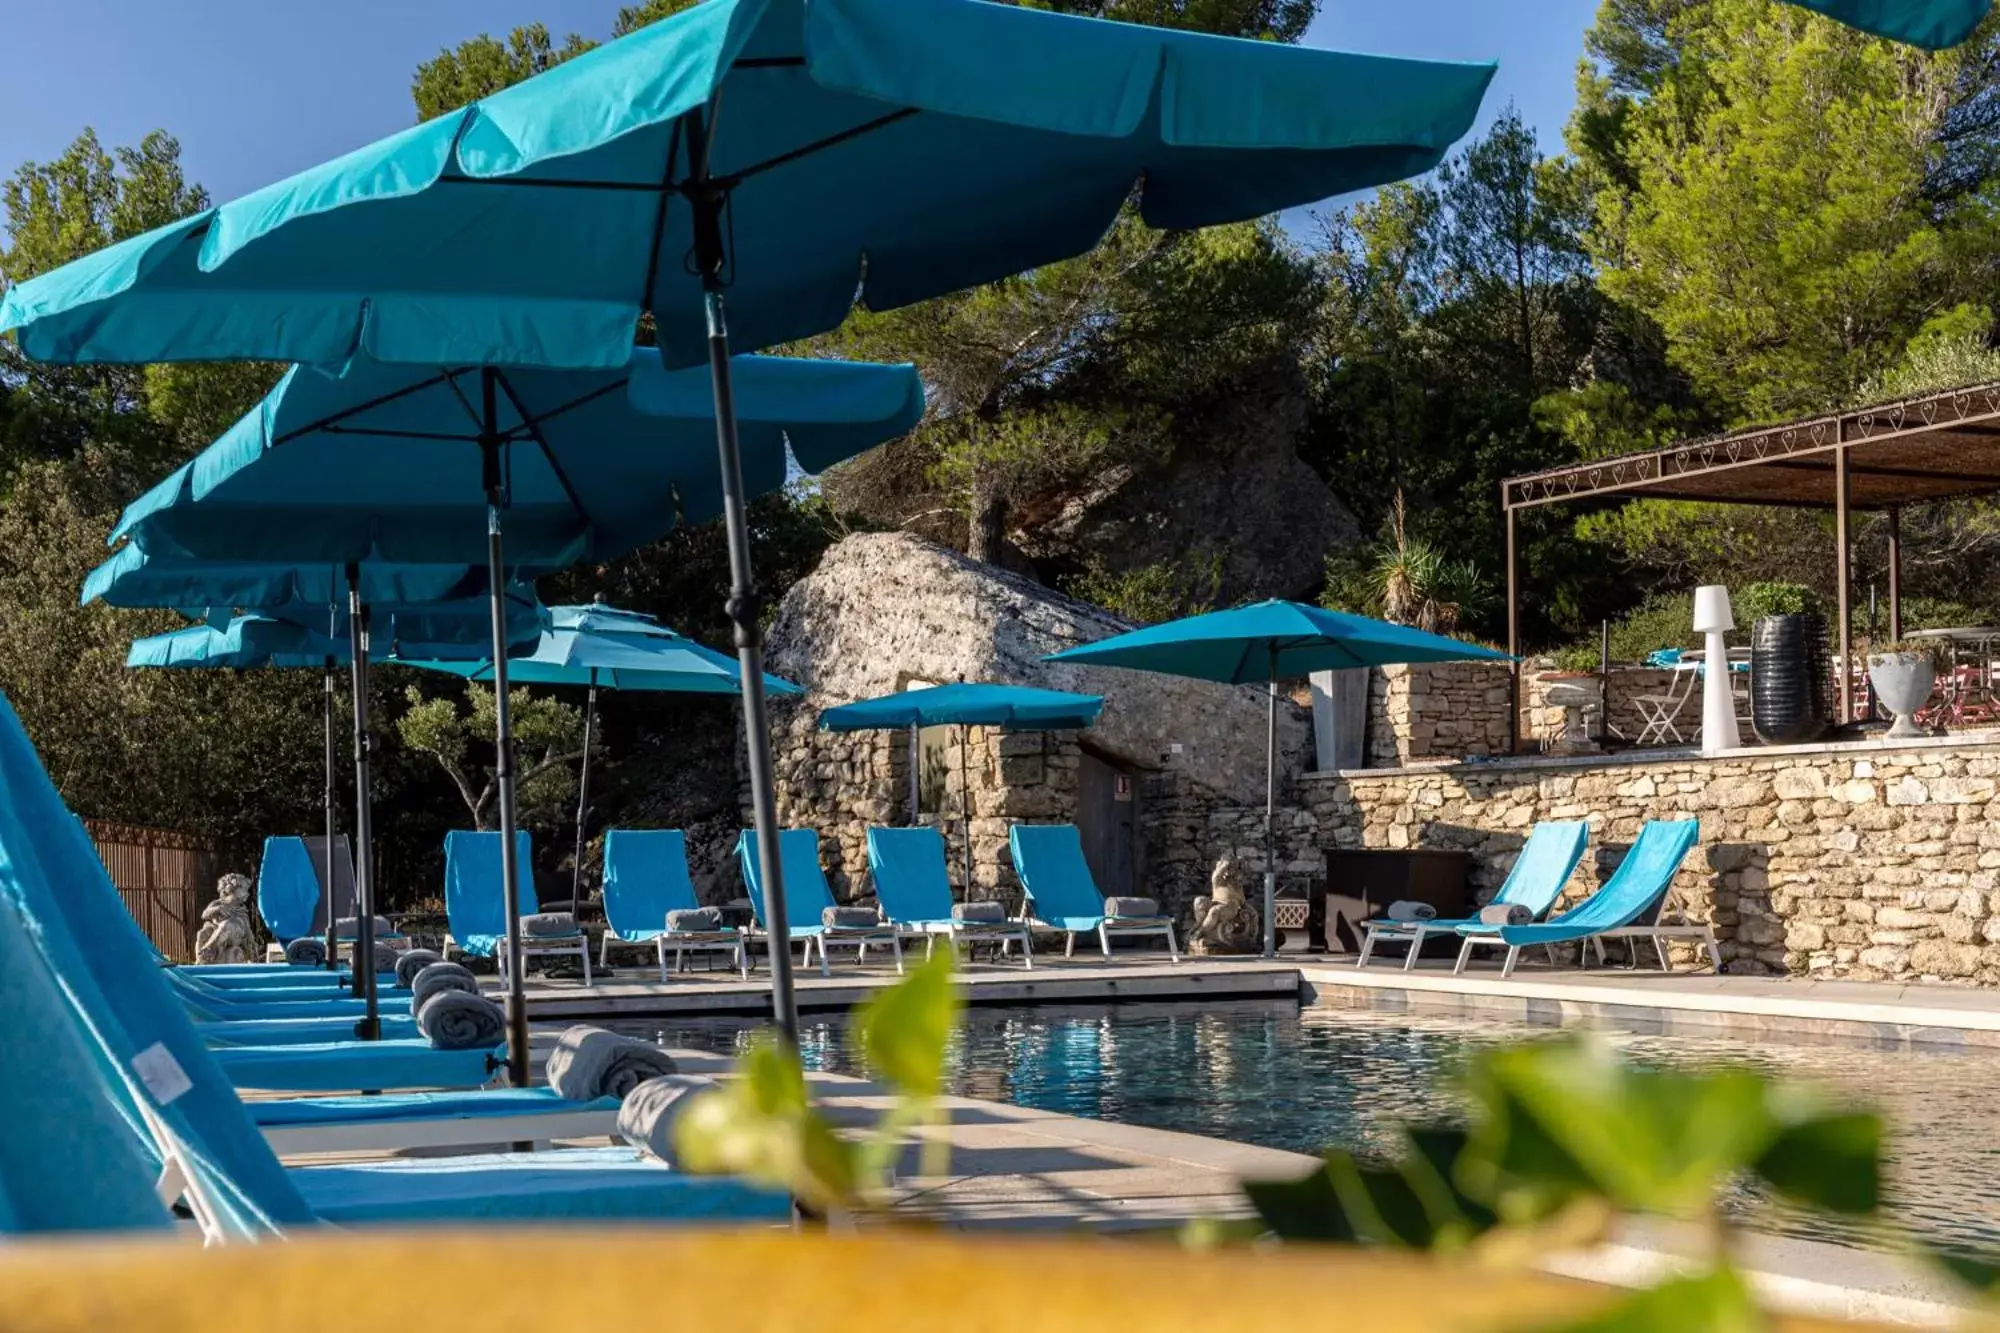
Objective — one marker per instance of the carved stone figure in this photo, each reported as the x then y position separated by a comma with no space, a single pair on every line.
226,935
1224,920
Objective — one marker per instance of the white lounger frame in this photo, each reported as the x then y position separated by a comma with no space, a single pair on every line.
532,946
1397,932
536,1127
1003,933
860,937
1107,927
680,944
1688,929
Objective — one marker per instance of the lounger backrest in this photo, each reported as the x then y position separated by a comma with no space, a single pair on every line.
473,901
645,877
1641,879
342,879
806,892
68,1158
287,889
1545,865
911,879
122,1001
1049,860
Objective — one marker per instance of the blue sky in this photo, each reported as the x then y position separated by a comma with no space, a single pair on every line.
257,89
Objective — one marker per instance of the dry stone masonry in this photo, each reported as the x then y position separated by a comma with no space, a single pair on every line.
1856,862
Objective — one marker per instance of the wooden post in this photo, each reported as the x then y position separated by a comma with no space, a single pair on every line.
1895,573
1513,629
1843,577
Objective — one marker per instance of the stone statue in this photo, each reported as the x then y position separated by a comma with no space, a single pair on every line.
226,935
1224,920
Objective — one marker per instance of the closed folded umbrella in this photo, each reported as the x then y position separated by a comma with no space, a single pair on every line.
254,640
1269,642
791,155
597,646
963,704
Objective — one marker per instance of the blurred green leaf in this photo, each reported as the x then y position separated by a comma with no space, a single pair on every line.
1979,1272
1829,1161
904,1031
1307,1208
1716,1302
1434,1152
1381,1205
760,1125
1559,1118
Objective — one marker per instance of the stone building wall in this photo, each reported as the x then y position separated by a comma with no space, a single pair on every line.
1184,829
1862,863
1437,710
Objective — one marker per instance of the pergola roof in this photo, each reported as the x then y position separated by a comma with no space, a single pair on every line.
1935,447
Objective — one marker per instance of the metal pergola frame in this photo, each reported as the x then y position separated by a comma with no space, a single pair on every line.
1875,459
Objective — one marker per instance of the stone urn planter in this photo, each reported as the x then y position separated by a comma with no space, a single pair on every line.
1903,679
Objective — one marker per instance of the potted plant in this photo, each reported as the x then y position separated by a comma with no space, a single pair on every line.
1789,671
1903,675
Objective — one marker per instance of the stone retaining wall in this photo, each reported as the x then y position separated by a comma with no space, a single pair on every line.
1862,863
1437,709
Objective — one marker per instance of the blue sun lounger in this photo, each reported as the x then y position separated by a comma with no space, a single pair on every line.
297,1031
476,909
913,885
646,877
807,897
1062,895
153,1087
1640,887
1540,871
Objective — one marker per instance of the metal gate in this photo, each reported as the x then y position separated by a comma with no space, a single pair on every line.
163,876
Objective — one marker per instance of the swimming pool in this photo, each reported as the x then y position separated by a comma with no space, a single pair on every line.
1283,1076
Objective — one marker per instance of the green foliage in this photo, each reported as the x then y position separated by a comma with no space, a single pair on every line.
483,65
1666,620
1717,1301
1950,350
762,1123
1765,178
1153,594
1757,600
548,738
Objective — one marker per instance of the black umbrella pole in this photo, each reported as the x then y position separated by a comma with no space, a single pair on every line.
744,609
370,1026
1270,816
582,802
332,822
503,759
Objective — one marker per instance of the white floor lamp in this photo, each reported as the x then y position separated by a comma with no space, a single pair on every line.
1712,618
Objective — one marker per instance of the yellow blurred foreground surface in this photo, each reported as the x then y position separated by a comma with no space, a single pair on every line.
575,1281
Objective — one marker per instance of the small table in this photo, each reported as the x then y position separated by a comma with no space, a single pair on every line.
1965,684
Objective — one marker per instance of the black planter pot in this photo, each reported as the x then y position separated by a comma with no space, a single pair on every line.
1789,679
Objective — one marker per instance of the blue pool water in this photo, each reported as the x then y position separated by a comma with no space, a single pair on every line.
1276,1074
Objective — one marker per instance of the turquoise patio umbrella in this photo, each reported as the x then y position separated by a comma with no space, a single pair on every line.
964,704
258,640
1265,643
791,155
1933,24
598,646
416,466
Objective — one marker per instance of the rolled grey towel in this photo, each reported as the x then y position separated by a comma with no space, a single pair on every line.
307,950
1408,911
1505,914
983,913
651,1110
588,1063
452,1020
349,927
413,962
1130,907
850,918
440,977
694,918
546,924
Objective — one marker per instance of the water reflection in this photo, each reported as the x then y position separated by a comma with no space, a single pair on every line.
1271,1073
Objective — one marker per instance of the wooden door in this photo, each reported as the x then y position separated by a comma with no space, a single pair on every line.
1107,806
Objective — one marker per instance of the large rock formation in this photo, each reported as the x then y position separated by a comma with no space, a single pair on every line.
885,608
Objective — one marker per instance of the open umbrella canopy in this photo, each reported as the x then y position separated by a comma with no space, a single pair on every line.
130,577
384,463
1934,24
851,140
259,640
1271,641
436,607
1009,707
597,645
